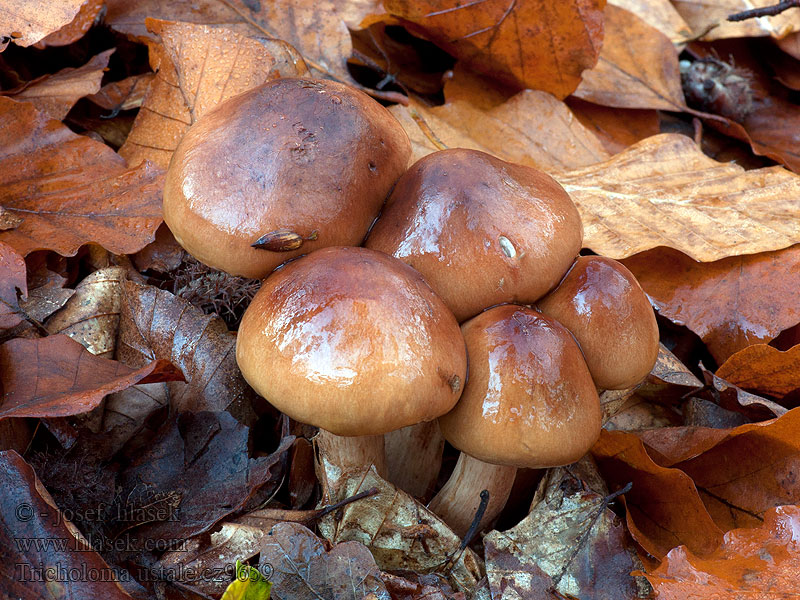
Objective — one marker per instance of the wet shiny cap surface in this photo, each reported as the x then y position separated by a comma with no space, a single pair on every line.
353,341
529,399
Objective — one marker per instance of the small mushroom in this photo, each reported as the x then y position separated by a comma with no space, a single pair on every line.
354,342
481,231
282,169
604,307
529,402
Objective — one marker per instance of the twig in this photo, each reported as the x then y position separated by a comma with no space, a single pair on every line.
766,11
426,129
450,563
334,507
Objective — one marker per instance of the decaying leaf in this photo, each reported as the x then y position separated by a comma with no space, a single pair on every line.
573,536
764,369
711,19
125,94
56,377
664,191
730,303
12,284
91,315
616,128
71,190
56,94
659,14
74,30
32,520
301,569
539,45
759,563
401,533
670,379
197,67
25,22
46,293
637,68
156,324
732,398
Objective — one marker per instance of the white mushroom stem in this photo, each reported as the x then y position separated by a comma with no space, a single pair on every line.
414,457
457,502
353,453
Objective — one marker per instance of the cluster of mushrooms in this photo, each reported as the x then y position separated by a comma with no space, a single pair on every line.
460,298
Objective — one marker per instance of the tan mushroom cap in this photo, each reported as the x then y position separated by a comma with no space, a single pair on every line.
481,231
604,307
311,160
529,400
353,341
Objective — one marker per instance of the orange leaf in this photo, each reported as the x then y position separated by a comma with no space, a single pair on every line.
75,29
71,190
56,377
758,564
523,43
764,368
28,21
730,303
616,128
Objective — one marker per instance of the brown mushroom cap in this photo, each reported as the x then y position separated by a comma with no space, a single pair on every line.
353,341
311,161
480,230
604,307
529,400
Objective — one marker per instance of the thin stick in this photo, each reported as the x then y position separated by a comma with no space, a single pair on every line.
450,563
426,129
766,11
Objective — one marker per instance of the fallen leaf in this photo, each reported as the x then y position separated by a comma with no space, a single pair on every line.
197,67
56,94
710,19
126,94
71,190
9,220
512,574
638,414
301,569
46,293
659,14
790,44
760,564
156,324
732,398
37,543
670,380
91,315
125,413
664,191
249,584
12,285
74,30
698,412
56,377
764,369
616,128
164,254
664,509
730,303
25,22
535,44
637,68
572,536
199,467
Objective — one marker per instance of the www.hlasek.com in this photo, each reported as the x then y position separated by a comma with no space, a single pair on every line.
122,543
85,573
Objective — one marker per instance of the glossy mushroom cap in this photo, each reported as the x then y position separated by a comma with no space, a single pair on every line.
529,400
604,307
480,230
308,163
352,341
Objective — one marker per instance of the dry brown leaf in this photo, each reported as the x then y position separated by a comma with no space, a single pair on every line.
735,399
764,369
759,564
75,29
731,303
710,18
664,191
790,44
401,533
56,94
71,190
637,68
12,284
25,22
616,128
659,14
197,67
91,316
125,94
537,44
670,380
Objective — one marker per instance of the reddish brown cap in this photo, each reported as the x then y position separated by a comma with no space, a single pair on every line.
602,304
480,230
307,163
529,400
352,341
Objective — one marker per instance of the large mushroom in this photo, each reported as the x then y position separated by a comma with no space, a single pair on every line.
481,231
529,402
354,342
290,166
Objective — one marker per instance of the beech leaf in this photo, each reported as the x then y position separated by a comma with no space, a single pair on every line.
28,21
764,369
12,282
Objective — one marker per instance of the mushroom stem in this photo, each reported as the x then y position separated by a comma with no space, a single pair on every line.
353,452
414,457
458,500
